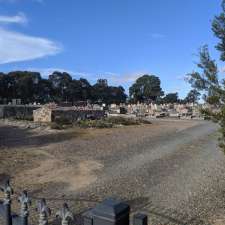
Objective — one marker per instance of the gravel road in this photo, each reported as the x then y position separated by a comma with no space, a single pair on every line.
176,179
171,170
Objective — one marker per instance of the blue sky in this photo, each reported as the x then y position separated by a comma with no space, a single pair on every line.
114,39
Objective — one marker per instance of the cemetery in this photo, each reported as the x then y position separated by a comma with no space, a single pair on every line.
52,112
112,112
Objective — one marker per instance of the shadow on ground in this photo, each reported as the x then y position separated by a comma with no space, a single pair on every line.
15,137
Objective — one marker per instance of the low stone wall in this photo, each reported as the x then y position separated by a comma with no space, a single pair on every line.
21,112
71,116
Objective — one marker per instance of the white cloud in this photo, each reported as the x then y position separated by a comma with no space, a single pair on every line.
122,78
45,72
222,70
15,47
20,18
126,78
181,77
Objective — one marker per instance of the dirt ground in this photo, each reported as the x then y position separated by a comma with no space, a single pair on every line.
36,157
57,165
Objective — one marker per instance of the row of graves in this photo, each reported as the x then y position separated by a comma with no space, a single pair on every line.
84,110
157,111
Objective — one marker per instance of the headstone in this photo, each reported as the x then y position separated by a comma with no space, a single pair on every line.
14,101
109,212
140,219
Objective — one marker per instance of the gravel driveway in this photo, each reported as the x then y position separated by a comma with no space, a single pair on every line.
172,170
176,179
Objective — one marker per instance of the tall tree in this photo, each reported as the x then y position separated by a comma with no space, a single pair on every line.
146,88
192,96
171,98
61,84
206,80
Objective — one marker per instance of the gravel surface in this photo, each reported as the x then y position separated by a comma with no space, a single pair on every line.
171,170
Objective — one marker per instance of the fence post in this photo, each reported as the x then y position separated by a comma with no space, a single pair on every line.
8,191
44,212
25,202
87,220
140,219
65,214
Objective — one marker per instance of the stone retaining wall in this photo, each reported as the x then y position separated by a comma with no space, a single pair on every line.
75,115
21,112
65,114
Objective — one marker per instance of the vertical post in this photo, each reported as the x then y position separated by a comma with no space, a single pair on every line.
24,201
8,191
87,219
44,212
65,214
140,219
8,218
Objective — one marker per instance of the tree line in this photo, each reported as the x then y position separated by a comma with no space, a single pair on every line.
59,87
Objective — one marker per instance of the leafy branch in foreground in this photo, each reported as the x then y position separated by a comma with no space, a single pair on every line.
206,80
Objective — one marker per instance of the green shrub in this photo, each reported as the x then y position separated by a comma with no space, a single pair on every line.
56,126
122,121
94,123
107,122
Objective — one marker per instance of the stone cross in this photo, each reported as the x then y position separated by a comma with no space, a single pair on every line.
25,202
44,212
8,191
65,214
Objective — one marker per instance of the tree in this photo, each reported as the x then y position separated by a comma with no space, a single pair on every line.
206,80
192,96
103,93
23,85
146,88
171,98
61,85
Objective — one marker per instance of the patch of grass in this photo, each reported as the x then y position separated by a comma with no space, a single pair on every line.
107,122
110,122
94,123
117,120
56,126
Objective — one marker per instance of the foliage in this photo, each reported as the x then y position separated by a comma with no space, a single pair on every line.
146,88
101,92
56,126
192,96
94,124
107,122
59,87
206,80
171,98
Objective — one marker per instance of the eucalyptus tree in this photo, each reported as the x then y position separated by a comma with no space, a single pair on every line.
206,77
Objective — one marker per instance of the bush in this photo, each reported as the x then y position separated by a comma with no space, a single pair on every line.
127,121
122,121
108,122
56,126
94,123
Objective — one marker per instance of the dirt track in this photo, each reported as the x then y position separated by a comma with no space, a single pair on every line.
171,170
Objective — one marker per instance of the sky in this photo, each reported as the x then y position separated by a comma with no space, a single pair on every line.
119,40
